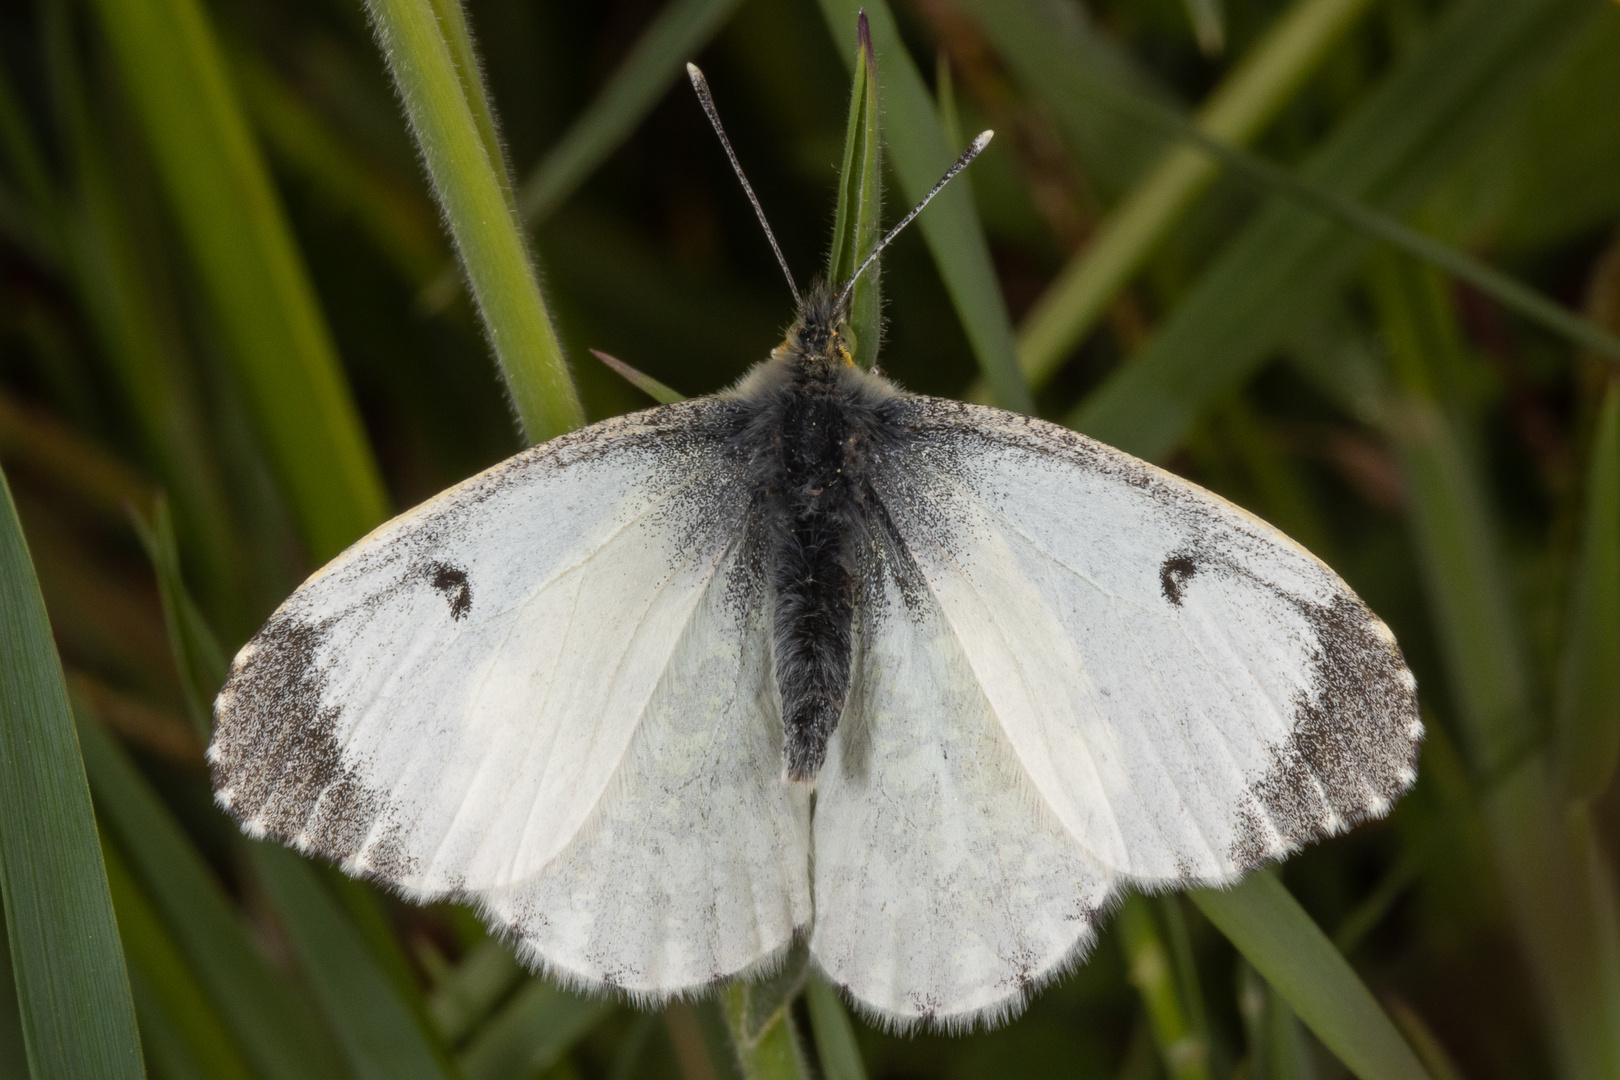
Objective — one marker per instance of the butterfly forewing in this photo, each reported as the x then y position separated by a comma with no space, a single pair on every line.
444,706
1189,691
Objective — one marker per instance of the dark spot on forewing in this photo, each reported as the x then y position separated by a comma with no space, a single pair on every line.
1175,573
452,582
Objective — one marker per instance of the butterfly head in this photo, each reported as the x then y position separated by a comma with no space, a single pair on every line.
818,340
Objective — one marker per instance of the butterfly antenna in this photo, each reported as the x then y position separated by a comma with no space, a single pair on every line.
973,151
701,85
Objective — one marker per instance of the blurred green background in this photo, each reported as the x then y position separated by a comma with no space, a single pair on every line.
1377,308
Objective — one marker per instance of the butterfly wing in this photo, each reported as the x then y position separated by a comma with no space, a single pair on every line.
694,866
944,891
547,664
1188,691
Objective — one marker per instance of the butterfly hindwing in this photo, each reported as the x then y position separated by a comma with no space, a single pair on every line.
1189,691
945,892
694,864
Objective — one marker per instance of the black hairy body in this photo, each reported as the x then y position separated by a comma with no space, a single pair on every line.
811,426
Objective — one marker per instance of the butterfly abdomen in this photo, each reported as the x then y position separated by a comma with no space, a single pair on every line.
812,430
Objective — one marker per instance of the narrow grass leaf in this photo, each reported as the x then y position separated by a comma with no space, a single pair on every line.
170,988
1208,25
78,1019
836,1048
468,178
239,238
464,996
640,380
765,999
1274,934
399,221
1049,56
1287,262
859,216
1257,170
1278,1046
1557,882
1559,886
1457,538
1588,701
377,1032
451,17
23,157
770,1053
120,280
198,660
920,156
1428,1047
13,1054
531,1033
1148,966
676,35
275,1030
56,453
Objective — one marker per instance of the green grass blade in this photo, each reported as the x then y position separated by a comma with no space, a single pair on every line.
1450,516
1289,260
377,1032
400,222
1493,283
770,1053
1558,885
1048,58
859,217
1458,547
1184,1051
13,1054
1208,25
717,1045
1588,703
170,986
640,380
467,175
836,1049
467,992
1274,934
277,1034
457,36
1277,1044
120,282
55,452
23,157
765,999
531,1033
198,660
920,155
78,1018
238,236
677,34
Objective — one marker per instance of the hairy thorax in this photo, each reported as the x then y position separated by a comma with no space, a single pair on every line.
811,426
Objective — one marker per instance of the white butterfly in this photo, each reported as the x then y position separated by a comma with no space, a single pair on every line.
925,681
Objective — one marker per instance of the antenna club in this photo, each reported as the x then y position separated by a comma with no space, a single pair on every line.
706,99
979,143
